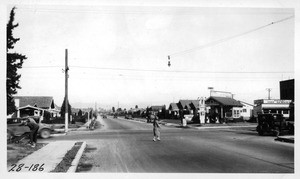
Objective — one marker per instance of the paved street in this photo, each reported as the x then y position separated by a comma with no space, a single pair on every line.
126,146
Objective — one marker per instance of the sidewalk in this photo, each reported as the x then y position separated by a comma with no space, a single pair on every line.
48,157
44,159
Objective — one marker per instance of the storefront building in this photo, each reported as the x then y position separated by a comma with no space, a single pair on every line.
272,106
221,107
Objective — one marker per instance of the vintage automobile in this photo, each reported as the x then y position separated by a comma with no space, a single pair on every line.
274,124
128,116
14,127
104,116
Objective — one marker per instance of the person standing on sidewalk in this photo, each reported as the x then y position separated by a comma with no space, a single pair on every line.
34,127
181,116
156,126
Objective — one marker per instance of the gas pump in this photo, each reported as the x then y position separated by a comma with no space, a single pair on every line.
202,110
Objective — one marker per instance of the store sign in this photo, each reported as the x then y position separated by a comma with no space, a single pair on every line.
272,101
221,94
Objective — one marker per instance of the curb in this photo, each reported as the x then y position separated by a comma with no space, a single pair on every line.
170,124
288,140
133,120
222,127
75,162
58,134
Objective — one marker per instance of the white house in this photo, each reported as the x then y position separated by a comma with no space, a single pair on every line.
246,110
34,106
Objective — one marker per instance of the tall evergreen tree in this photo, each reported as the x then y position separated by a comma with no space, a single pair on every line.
14,62
63,109
79,113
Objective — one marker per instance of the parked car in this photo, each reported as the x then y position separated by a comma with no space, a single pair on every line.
128,116
14,127
104,116
274,124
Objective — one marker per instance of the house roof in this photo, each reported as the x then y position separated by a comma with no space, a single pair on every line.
244,103
32,107
37,101
189,103
173,106
57,107
75,110
156,108
226,101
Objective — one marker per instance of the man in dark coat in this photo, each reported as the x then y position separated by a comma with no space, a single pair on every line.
34,127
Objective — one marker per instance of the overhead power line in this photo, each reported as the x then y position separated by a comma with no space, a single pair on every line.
42,67
163,71
229,38
178,71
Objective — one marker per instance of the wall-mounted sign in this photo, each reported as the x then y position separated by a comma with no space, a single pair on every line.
221,94
271,101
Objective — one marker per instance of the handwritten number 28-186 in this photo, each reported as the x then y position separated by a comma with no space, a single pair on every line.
33,167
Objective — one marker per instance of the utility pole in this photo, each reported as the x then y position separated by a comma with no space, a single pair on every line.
66,91
269,90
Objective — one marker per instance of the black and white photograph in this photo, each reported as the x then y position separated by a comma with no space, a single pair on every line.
149,88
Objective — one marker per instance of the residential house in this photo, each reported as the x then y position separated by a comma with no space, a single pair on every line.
160,111
189,106
75,111
247,110
173,110
136,111
34,106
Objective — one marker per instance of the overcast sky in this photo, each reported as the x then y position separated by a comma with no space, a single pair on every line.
118,54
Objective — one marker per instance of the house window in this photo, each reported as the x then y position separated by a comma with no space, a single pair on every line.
279,111
266,111
285,111
236,113
273,111
244,110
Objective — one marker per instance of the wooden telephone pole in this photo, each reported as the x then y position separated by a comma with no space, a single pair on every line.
66,92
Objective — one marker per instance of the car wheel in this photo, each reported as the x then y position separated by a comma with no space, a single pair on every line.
45,133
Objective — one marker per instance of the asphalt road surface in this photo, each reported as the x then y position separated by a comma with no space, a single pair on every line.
120,145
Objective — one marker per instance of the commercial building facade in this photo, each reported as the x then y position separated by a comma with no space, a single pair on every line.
272,106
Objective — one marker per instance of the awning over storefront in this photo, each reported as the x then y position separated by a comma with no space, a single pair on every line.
275,106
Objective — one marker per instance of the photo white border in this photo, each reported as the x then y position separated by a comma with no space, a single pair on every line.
181,3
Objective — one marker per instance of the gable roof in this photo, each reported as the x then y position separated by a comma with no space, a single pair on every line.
188,104
173,106
244,103
156,108
226,101
37,101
